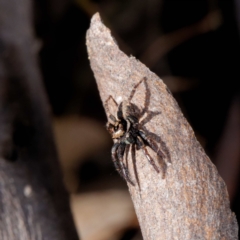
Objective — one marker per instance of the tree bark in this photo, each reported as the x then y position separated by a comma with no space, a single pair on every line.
33,202
187,199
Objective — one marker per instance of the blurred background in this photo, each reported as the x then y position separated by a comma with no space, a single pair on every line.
194,46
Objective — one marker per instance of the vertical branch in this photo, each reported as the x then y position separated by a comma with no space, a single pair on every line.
191,200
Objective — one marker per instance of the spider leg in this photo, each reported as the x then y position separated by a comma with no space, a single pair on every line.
109,98
151,144
112,120
106,103
147,95
148,117
115,159
119,111
147,98
141,145
135,87
120,154
133,153
117,153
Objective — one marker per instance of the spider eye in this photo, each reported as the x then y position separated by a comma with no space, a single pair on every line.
115,128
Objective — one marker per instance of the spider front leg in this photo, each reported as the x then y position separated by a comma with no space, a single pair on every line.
111,117
117,153
106,103
141,145
115,159
120,154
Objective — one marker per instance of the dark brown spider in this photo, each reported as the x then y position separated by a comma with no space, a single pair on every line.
125,130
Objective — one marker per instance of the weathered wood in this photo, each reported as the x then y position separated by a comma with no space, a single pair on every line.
188,199
33,202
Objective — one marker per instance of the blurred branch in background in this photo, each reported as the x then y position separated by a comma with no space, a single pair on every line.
228,151
164,44
88,6
33,201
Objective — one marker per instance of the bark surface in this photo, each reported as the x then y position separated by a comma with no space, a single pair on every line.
187,200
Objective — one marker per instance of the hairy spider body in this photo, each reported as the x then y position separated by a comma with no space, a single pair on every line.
125,131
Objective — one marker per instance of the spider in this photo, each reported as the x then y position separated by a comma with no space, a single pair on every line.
125,130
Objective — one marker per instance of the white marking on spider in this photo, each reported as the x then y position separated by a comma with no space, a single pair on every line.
119,99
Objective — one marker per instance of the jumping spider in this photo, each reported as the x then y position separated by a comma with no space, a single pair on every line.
125,131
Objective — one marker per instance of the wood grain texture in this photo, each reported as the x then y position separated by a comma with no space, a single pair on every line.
33,201
187,199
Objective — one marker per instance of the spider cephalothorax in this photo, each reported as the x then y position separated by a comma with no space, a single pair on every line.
125,130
